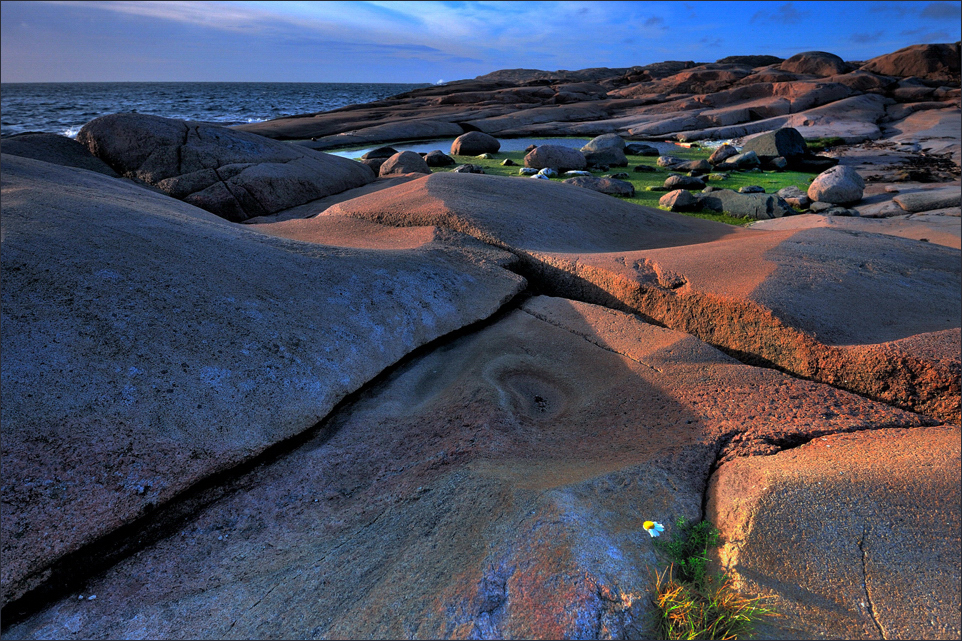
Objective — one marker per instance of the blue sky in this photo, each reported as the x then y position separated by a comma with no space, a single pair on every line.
428,42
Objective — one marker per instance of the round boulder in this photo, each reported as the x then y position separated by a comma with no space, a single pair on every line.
722,154
438,158
612,156
405,162
684,182
840,185
555,157
611,186
678,200
381,152
475,143
815,63
604,142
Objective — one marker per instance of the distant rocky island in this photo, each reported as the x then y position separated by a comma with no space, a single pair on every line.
253,389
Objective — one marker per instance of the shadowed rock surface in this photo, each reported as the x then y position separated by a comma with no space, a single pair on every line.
55,149
494,487
816,302
148,344
233,174
855,535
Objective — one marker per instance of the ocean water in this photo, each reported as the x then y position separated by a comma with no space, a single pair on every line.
64,108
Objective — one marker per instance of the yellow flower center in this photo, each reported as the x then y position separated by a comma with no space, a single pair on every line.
648,525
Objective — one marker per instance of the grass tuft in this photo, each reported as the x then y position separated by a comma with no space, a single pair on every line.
821,144
691,603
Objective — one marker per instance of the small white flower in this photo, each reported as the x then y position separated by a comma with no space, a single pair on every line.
654,528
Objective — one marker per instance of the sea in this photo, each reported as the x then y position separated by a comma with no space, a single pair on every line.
64,107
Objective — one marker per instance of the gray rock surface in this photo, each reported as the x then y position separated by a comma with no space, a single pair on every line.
928,200
55,149
739,205
744,160
148,344
722,154
785,142
840,185
438,158
683,182
234,174
610,186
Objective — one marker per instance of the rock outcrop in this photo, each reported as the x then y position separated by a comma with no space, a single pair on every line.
233,174
55,149
148,344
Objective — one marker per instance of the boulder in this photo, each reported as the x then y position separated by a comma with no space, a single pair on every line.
722,154
785,142
468,169
55,149
679,200
373,163
695,167
641,149
854,536
548,171
669,162
840,185
148,344
493,487
742,161
474,143
612,156
404,162
381,152
644,168
742,205
794,197
507,162
604,142
815,63
928,200
611,186
555,157
938,62
438,158
751,189
683,182
234,174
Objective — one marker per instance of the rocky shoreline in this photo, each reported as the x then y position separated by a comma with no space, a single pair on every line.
416,400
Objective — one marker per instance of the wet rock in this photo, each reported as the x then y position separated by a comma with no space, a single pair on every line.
840,185
474,143
555,157
611,186
438,158
884,503
170,345
231,173
405,162
55,149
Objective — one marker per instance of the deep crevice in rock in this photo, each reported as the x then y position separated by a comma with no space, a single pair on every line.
72,571
868,596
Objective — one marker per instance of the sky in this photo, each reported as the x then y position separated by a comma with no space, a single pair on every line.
87,41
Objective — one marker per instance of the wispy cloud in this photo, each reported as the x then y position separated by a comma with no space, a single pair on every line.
656,22
943,11
784,14
867,38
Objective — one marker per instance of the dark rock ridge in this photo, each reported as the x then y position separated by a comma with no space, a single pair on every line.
817,93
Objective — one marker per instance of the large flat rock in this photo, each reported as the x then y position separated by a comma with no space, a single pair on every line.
856,536
234,174
148,344
824,303
494,487
941,230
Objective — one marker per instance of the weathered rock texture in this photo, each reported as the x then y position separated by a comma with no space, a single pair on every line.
494,487
148,344
822,303
855,535
55,149
233,174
